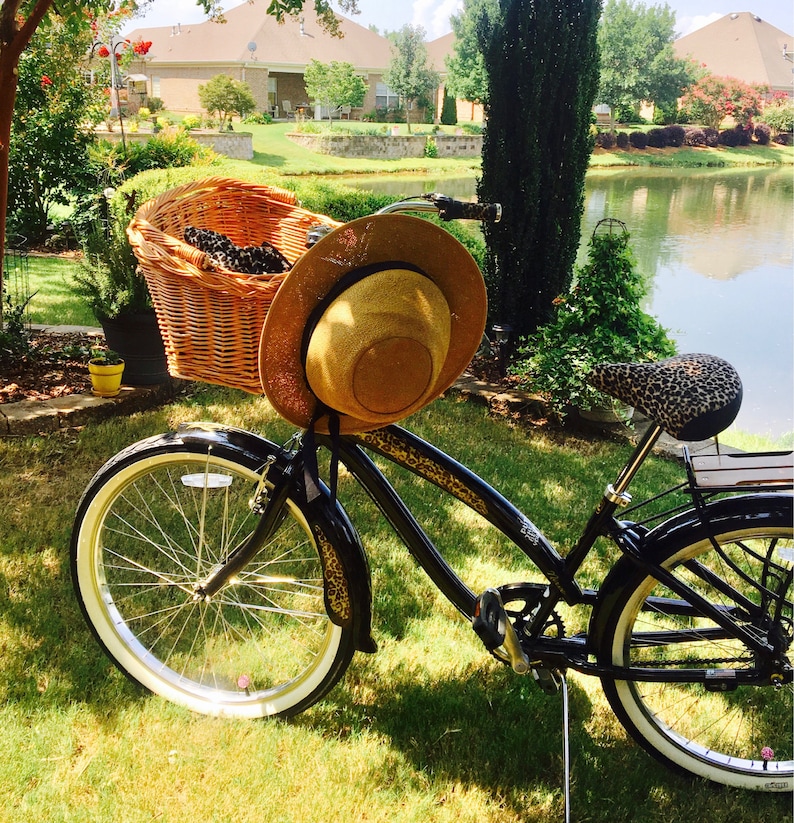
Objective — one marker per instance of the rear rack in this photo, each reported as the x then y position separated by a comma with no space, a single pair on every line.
729,472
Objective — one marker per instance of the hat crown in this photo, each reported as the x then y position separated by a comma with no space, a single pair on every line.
378,347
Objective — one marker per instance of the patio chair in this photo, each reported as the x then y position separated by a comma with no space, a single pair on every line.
288,111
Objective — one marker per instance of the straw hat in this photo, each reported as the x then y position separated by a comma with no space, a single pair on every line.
373,323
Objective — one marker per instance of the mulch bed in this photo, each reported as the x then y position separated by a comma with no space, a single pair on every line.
55,366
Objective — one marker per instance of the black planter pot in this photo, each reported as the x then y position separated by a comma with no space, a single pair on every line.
136,338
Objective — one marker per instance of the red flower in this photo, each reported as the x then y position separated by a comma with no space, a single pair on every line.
103,51
141,47
45,81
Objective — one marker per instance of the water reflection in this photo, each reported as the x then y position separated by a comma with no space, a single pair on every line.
716,248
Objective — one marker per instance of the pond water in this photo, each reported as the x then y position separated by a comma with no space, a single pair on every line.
716,249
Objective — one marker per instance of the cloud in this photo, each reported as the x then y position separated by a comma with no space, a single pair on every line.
433,15
686,24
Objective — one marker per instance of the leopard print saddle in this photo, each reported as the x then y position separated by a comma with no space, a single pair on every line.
263,259
691,396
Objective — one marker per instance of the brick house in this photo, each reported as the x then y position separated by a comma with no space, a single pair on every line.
251,46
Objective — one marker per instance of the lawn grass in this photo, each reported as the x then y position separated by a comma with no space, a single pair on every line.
428,730
54,301
273,149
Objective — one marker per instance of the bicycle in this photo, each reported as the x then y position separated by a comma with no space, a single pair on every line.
216,569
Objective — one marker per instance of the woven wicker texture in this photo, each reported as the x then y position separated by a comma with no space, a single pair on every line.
211,318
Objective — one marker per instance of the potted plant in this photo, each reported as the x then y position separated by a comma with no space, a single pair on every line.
109,282
106,369
600,320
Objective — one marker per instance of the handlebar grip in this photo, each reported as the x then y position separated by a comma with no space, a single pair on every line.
449,209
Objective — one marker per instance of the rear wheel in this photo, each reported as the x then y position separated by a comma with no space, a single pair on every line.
734,726
150,528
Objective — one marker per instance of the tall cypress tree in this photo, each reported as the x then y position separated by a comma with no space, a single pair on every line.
541,58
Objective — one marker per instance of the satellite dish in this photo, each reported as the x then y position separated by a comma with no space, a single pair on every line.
252,47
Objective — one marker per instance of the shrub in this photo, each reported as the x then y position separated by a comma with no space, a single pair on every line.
154,104
674,135
622,140
665,113
258,118
657,139
779,116
605,140
449,110
191,121
762,133
731,138
431,148
600,320
694,137
627,114
166,151
712,137
638,139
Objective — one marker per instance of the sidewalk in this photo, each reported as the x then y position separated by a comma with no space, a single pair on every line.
28,417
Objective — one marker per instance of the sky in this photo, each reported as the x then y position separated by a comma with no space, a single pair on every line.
433,15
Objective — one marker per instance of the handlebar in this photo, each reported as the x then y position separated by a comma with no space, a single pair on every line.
447,208
442,205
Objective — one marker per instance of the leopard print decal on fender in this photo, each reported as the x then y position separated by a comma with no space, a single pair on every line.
385,442
691,396
337,592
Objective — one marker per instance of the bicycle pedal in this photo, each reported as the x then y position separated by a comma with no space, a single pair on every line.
490,619
548,681
493,627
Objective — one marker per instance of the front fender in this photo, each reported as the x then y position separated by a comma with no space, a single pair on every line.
347,583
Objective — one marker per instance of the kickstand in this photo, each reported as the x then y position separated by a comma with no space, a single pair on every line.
566,748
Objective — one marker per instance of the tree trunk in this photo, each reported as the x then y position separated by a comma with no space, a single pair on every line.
542,64
13,41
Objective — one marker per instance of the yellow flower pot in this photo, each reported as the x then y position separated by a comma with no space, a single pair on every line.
105,379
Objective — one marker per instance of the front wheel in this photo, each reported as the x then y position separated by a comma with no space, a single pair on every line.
732,724
150,528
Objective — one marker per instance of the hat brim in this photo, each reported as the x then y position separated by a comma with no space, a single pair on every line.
393,238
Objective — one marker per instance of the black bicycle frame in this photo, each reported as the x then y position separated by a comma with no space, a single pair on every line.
410,452
423,459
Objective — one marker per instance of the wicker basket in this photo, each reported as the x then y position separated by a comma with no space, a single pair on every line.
211,318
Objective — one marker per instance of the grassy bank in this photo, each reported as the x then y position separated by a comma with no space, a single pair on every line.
273,149
428,730
720,157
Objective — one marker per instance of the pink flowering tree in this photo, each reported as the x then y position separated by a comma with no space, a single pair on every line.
711,99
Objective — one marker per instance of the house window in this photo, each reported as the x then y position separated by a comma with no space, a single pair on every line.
385,98
155,86
272,92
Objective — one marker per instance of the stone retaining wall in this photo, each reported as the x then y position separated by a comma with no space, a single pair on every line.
387,146
237,145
